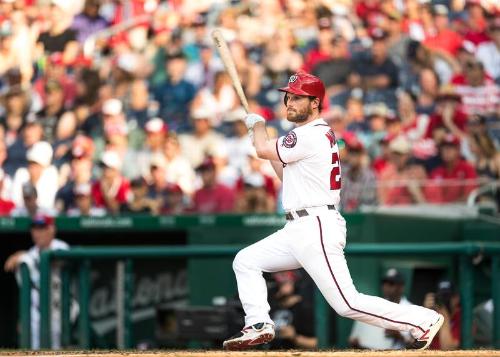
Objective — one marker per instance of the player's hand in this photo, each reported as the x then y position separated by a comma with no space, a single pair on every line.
252,119
13,261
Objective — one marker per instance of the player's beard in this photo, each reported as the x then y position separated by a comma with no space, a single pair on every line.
297,116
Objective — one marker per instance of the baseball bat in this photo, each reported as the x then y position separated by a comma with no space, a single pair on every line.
227,60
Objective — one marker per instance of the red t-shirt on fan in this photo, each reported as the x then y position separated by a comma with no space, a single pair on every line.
217,199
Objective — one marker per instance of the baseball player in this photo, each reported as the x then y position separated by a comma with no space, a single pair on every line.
307,162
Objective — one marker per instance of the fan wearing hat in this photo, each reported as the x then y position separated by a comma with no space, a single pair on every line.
378,71
446,301
401,180
43,231
455,178
322,51
357,175
212,197
156,134
448,112
442,38
479,92
203,140
370,337
112,189
40,173
83,203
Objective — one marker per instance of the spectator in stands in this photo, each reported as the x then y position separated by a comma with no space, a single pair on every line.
323,49
475,23
249,72
156,132
140,106
175,203
40,173
176,94
446,301
202,73
454,179
401,181
480,94
448,113
219,100
83,205
112,189
378,71
413,124
16,153
179,169
357,175
30,207
138,201
158,183
14,118
335,71
60,37
428,83
204,140
370,337
489,52
212,197
442,38
377,116
88,22
292,312
484,152
57,71
43,232
239,143
78,171
53,109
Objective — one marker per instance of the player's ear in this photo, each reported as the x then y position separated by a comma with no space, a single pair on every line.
315,103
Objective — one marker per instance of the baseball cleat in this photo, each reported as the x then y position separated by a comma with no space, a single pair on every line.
250,336
425,340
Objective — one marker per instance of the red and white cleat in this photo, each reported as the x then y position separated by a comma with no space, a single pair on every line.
425,340
250,336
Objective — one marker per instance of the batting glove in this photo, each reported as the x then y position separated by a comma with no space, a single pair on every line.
252,119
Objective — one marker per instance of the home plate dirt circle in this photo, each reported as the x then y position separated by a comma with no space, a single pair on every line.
292,353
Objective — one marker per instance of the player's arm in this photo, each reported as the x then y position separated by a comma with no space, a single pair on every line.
265,147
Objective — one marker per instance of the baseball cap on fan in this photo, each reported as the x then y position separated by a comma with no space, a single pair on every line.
40,153
156,125
112,160
112,107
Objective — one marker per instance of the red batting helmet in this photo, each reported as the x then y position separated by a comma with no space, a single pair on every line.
303,83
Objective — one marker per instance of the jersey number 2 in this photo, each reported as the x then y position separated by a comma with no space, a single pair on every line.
335,182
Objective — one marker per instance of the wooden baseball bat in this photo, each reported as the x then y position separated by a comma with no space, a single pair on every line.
228,61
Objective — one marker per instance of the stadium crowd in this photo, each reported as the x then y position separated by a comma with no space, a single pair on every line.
122,106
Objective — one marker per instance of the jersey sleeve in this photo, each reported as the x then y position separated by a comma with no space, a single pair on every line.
294,147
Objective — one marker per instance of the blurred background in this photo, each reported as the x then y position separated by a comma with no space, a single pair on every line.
117,119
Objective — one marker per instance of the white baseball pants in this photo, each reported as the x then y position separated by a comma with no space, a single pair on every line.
316,243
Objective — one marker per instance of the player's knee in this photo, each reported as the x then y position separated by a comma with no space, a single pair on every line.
239,261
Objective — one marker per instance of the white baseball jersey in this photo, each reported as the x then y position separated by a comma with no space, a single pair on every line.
311,173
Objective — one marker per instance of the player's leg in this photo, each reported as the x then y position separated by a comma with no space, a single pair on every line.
268,255
322,256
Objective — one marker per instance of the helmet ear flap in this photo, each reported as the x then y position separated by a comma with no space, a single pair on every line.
285,99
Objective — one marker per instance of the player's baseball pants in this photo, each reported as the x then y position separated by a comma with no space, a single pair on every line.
316,243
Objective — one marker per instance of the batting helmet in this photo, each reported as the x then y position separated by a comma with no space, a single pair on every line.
303,83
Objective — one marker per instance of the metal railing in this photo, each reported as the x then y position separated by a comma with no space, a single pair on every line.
465,251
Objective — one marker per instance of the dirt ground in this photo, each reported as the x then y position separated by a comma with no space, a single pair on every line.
330,353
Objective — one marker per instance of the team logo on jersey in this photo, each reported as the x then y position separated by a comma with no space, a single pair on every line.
330,135
290,140
293,78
